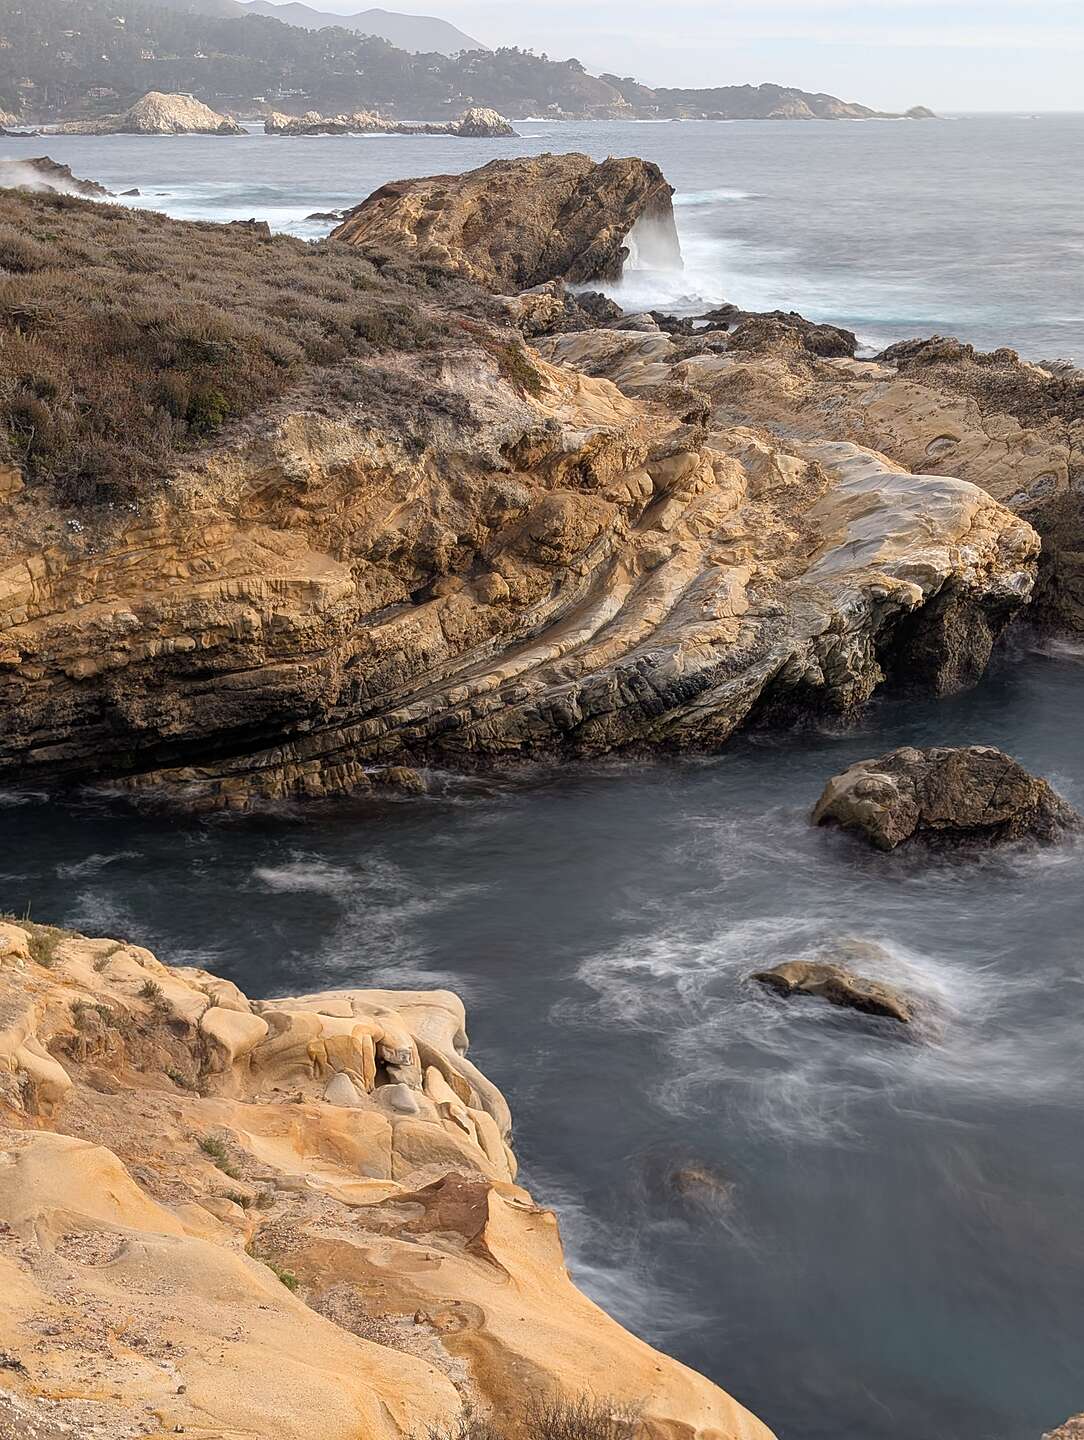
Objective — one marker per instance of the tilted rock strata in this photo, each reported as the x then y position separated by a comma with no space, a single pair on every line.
158,114
169,1150
1013,428
974,793
518,223
582,574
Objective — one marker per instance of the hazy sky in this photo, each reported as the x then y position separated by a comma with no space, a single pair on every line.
951,54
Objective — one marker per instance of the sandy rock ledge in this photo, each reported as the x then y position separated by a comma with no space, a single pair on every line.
221,1217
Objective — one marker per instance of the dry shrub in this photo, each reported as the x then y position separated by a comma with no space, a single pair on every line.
127,338
557,1417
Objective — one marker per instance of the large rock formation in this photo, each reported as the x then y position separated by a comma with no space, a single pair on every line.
975,793
518,223
1073,1429
460,553
158,114
477,123
937,406
225,1217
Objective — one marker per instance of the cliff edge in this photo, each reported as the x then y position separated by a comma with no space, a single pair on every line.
226,1217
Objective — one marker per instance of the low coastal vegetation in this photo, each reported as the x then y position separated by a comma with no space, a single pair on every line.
128,338
552,1417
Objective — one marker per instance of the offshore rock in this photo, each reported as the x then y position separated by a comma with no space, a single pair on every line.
973,794
46,174
291,1208
158,114
478,123
514,224
839,985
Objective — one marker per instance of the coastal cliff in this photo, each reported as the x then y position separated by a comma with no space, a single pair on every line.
225,1216
458,553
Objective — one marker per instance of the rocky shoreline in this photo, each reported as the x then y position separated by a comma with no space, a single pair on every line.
489,519
218,1215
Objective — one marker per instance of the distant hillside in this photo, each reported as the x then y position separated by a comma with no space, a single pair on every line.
417,34
77,59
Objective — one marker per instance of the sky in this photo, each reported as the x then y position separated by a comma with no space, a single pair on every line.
948,54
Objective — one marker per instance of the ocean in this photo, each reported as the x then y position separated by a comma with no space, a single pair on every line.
971,226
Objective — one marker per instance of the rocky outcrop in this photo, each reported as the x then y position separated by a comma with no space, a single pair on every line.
936,406
45,174
840,984
1073,1429
514,224
477,123
973,794
225,1216
158,114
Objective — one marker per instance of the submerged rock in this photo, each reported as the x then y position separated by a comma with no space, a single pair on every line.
518,223
839,985
975,793
701,1185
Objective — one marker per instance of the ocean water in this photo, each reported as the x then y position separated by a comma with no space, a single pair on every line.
972,226
894,1250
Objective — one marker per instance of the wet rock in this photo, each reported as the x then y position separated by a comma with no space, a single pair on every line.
517,223
402,778
839,986
701,1185
46,174
972,794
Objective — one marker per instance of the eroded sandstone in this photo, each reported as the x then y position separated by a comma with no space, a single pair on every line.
513,224
225,1216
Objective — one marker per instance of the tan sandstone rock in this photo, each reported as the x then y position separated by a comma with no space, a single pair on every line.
207,1228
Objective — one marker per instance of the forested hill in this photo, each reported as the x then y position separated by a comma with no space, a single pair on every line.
81,58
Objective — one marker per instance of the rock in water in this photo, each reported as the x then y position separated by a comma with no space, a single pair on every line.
481,123
159,114
839,986
517,223
45,174
975,793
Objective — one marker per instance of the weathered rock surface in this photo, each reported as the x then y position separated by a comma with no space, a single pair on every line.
477,123
839,985
218,1217
975,793
158,114
935,406
518,223
42,173
1073,1429
581,575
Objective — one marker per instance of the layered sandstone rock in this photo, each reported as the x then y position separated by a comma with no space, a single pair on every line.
518,223
225,1217
937,406
975,793
158,114
579,572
